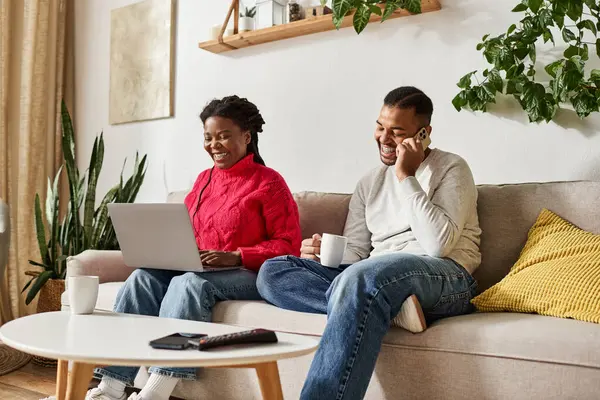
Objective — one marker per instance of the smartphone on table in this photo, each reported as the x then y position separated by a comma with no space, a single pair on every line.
175,341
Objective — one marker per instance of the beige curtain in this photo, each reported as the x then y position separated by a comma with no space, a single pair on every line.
36,72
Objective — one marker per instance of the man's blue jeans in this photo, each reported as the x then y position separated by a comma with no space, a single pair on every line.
172,294
360,301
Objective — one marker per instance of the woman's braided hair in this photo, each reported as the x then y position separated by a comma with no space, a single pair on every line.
243,113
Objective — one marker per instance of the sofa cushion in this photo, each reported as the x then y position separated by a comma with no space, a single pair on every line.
322,212
507,335
557,274
507,212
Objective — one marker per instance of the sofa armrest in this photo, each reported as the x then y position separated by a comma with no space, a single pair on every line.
108,265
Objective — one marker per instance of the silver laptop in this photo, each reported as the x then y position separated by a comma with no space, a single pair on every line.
158,236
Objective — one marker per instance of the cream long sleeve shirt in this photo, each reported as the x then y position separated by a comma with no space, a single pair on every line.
433,213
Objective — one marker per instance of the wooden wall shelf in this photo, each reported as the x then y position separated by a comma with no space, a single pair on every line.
299,28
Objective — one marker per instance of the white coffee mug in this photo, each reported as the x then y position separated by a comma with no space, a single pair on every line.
83,294
333,248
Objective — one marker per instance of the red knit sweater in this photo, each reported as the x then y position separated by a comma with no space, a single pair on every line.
247,208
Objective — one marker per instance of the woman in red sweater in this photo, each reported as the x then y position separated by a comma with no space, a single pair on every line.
243,213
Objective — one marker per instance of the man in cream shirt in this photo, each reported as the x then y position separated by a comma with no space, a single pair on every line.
413,243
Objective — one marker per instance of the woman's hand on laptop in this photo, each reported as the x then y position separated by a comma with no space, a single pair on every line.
215,258
311,248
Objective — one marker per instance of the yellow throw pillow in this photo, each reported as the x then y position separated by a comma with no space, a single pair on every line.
557,274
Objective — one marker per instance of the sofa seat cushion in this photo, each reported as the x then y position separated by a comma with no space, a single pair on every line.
506,335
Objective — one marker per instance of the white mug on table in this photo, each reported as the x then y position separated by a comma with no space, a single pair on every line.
333,248
83,293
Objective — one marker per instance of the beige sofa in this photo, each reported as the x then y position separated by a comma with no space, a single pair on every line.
479,356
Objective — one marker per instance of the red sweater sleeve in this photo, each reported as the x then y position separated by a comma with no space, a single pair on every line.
282,222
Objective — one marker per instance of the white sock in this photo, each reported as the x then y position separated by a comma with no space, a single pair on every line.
112,387
158,387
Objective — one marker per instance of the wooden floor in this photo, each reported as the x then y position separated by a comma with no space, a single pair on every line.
29,383
33,383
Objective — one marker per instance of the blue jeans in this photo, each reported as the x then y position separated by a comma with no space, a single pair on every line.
360,301
172,294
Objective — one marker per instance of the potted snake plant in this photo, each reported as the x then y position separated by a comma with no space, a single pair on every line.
83,226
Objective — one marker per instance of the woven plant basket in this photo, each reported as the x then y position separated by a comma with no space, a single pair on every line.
49,300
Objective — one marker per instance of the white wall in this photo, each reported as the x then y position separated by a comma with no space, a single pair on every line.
320,95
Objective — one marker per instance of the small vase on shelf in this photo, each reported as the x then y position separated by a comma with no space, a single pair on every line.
246,22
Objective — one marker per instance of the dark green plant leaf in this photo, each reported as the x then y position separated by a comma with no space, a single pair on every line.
559,19
485,94
593,4
101,220
505,58
533,97
412,6
587,24
55,211
376,10
496,80
545,19
28,284
520,7
40,229
460,100
511,87
390,7
68,148
560,6
534,5
521,51
340,9
584,103
473,101
595,77
40,281
94,173
511,29
484,38
552,67
598,47
571,51
567,35
532,53
37,264
361,18
572,79
574,9
465,81
576,62
548,36
62,266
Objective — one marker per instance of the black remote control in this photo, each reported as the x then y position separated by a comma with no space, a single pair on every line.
246,337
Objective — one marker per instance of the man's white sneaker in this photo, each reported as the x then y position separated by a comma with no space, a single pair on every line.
135,396
97,394
411,316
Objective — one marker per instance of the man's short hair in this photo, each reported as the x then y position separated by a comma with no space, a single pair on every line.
410,97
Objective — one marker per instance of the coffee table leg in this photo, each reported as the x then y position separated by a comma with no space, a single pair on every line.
62,376
268,378
79,380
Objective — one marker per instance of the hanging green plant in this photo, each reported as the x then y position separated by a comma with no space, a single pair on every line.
512,55
363,9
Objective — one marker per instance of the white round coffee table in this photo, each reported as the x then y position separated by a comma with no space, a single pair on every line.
104,339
